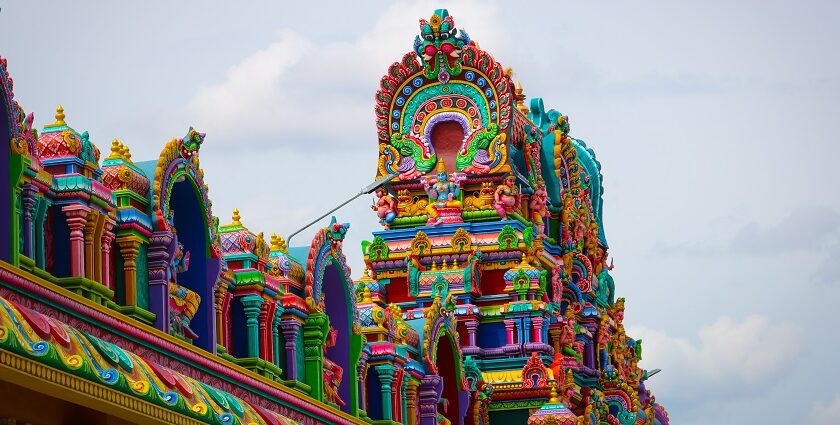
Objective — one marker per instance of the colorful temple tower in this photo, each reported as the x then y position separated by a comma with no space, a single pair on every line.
487,298
488,292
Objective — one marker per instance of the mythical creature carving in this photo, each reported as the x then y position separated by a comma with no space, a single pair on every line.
439,46
183,302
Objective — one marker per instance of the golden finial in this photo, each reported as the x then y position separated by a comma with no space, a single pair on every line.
236,218
519,96
554,399
508,71
278,243
441,167
434,265
59,116
443,265
366,297
119,150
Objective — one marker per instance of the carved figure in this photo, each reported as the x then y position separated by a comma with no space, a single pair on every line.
506,198
443,194
385,207
183,302
539,206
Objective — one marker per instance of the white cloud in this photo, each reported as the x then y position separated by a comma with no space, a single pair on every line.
826,413
303,94
729,357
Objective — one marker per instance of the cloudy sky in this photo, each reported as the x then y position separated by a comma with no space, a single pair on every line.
712,121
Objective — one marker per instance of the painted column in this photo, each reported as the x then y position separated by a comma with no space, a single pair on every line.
275,332
252,305
129,248
265,317
361,365
40,223
76,219
161,249
472,329
219,301
290,329
509,330
314,335
90,235
386,379
524,332
430,389
538,331
30,200
107,240
411,401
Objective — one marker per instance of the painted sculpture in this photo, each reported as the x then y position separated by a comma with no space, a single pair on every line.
443,191
487,297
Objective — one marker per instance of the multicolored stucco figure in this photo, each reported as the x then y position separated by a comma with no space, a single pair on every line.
439,46
443,191
385,207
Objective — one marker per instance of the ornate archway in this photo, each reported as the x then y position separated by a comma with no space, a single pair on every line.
183,250
332,342
443,391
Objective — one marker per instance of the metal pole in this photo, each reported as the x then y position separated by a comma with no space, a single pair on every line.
364,191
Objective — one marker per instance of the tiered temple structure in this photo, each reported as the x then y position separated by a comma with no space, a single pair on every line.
486,298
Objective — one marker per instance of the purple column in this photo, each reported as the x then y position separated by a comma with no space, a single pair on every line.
291,329
29,192
431,387
161,249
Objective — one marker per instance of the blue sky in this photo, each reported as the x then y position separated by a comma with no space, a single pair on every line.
712,120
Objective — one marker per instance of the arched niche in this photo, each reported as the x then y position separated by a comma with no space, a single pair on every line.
329,283
183,216
444,365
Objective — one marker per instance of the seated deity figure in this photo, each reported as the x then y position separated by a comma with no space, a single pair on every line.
183,303
443,191
385,207
506,197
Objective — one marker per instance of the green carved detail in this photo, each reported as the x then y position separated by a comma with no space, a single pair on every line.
508,239
378,249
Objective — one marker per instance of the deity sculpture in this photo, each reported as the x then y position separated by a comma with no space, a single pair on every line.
332,371
385,207
567,338
183,302
443,191
506,198
539,206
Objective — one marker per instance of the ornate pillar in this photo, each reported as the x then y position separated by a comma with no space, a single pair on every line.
509,330
386,379
90,252
314,335
472,329
40,223
252,304
76,219
275,332
361,366
290,329
524,331
129,248
219,302
29,195
538,329
430,388
411,401
161,249
107,240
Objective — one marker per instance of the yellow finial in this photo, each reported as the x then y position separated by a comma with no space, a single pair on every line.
441,167
554,399
59,116
278,243
366,297
236,218
119,150
444,265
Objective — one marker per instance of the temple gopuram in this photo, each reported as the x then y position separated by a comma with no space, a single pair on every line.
485,299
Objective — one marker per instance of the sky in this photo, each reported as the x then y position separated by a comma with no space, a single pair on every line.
713,122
